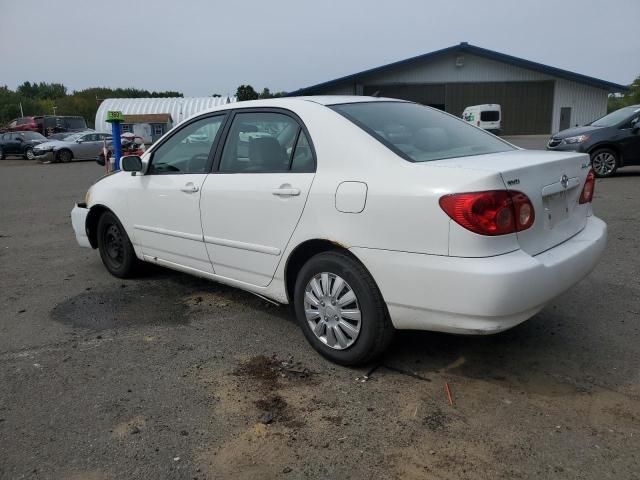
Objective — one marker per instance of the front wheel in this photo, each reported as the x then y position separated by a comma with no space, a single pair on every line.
28,154
604,162
115,247
340,309
64,156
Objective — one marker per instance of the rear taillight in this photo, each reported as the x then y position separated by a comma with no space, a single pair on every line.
589,186
494,212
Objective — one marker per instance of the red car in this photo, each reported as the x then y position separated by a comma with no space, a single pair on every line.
47,124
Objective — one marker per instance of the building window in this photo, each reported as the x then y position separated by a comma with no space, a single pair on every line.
158,130
126,127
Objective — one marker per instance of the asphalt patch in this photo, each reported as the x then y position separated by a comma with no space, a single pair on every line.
144,303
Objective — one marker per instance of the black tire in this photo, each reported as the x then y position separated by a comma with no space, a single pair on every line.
376,330
605,162
1,154
64,156
115,247
28,153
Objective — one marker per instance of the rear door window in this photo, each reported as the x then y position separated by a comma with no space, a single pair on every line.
490,116
259,142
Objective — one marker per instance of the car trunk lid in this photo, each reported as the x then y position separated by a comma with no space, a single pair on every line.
553,182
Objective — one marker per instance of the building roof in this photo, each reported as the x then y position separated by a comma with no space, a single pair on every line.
148,118
465,47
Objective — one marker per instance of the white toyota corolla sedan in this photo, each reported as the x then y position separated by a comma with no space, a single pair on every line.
367,214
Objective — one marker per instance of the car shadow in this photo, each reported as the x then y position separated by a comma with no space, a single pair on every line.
625,172
539,356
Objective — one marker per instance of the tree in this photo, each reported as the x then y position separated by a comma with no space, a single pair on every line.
41,98
630,97
246,92
266,93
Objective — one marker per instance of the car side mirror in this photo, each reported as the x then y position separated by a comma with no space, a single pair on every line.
635,125
20,139
131,163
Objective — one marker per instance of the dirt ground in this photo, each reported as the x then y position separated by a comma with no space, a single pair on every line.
168,376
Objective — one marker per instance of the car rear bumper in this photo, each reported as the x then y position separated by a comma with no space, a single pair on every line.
480,295
78,221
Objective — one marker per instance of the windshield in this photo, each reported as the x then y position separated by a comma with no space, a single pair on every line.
418,133
72,138
614,118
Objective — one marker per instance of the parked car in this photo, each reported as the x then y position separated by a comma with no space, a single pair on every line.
612,141
77,146
48,124
488,117
19,143
445,228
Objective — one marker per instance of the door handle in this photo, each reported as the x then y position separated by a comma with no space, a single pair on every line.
286,192
190,188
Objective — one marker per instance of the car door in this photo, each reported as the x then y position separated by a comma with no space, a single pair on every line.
96,145
252,201
80,147
13,144
164,203
630,139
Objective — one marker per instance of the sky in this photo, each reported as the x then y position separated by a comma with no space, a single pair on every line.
201,47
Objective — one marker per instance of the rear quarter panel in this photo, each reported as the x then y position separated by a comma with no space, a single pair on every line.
401,212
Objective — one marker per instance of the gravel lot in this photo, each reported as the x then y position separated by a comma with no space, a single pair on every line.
167,376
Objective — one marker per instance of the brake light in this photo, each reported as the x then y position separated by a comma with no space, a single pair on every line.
589,187
494,212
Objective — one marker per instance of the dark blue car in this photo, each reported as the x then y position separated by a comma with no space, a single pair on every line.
612,141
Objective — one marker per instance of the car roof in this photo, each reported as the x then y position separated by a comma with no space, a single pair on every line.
290,102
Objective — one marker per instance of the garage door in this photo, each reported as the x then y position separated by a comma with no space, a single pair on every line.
526,106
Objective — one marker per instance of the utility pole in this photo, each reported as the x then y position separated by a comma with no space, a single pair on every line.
21,111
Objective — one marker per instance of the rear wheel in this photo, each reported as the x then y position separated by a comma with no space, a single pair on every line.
604,162
115,247
1,154
65,156
28,153
340,309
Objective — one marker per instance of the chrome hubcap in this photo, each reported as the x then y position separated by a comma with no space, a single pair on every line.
332,310
604,163
30,154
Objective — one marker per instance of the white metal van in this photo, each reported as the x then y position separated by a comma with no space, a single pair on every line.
487,117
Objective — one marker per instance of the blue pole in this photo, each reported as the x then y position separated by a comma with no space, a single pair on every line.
117,145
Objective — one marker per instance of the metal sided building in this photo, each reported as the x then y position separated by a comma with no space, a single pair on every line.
535,98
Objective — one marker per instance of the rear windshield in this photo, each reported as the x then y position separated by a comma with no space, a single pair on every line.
418,133
76,123
490,116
